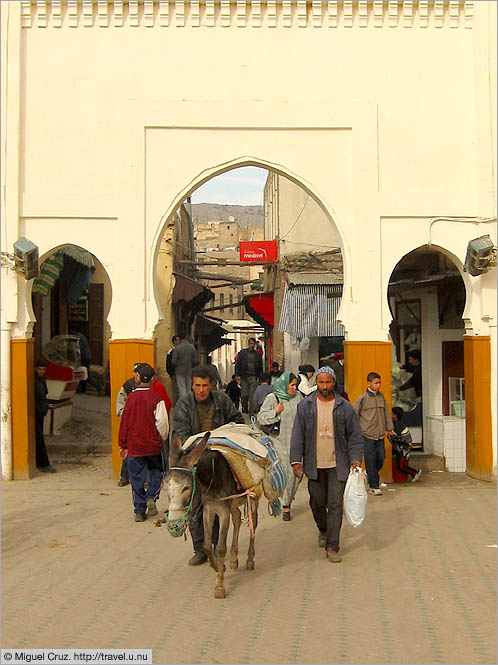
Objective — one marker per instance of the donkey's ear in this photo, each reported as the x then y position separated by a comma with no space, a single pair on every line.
175,449
193,456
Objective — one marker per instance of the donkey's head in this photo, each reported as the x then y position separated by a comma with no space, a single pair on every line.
181,485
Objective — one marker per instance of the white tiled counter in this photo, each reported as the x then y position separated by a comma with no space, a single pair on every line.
445,436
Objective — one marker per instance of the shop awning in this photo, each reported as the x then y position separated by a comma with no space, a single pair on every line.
260,308
74,265
209,333
191,291
310,310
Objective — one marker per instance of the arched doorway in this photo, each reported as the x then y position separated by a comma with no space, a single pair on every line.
70,301
308,275
427,299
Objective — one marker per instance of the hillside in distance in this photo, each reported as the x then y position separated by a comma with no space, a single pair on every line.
218,212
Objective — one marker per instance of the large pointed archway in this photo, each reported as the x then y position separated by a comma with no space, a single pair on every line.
304,210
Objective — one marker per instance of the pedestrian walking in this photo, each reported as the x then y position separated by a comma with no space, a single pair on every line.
169,366
375,421
127,388
143,428
217,382
184,357
41,410
202,410
275,371
326,442
233,391
264,388
159,388
336,361
248,367
281,406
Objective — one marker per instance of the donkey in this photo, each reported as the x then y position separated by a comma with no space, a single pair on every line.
203,477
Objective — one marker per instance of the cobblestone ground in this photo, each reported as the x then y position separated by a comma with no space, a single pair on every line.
417,583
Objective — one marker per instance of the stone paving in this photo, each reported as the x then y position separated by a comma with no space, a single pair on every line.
417,583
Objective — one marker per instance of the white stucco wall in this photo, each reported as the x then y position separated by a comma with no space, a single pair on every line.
388,121
392,136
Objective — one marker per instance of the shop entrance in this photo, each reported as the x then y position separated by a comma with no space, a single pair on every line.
427,299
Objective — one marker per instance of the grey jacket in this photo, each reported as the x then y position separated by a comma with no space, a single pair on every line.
186,421
347,433
184,357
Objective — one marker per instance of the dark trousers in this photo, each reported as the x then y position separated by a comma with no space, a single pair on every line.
137,470
326,494
41,449
196,527
374,453
248,385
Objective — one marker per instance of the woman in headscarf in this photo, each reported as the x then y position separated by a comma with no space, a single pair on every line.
281,405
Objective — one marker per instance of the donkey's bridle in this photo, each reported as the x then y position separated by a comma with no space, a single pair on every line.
178,527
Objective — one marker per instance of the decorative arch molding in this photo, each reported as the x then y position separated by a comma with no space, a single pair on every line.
301,14
239,162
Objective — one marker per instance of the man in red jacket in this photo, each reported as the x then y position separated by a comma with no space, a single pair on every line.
144,425
158,388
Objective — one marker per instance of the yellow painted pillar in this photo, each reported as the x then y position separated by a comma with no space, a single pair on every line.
477,363
123,354
23,408
360,358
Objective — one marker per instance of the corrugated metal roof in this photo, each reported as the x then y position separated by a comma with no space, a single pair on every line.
315,278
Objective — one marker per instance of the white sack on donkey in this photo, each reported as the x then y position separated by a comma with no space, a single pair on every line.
355,497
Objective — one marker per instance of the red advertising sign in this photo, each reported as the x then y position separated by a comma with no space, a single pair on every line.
258,250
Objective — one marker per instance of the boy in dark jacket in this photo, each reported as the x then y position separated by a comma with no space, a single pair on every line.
144,425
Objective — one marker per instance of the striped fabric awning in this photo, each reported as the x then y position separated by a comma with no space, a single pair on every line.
310,310
49,273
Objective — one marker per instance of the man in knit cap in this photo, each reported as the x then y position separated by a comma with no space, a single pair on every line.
326,441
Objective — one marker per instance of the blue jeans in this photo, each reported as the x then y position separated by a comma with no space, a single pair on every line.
374,453
137,470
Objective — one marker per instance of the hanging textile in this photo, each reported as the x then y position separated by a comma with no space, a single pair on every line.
77,277
49,273
311,311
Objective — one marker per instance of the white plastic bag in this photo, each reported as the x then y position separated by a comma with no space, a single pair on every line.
355,497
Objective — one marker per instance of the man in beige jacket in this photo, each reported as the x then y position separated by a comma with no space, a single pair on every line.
375,421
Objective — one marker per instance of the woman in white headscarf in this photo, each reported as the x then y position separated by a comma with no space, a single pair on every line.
281,405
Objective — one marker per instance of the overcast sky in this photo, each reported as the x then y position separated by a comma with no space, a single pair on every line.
243,186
